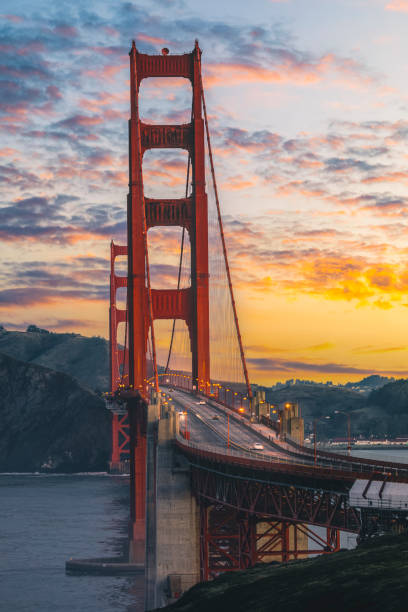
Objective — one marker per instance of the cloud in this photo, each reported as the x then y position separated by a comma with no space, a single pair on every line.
272,366
239,182
368,350
61,219
400,6
36,283
20,297
287,66
323,346
153,40
13,18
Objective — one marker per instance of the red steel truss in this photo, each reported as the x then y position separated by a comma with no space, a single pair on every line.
283,502
232,540
119,362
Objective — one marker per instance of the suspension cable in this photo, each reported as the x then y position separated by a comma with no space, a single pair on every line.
224,248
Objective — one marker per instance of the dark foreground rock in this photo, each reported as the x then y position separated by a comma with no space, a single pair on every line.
374,578
49,422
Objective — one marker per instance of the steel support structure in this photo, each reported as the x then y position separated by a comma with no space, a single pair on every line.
273,500
227,540
118,361
231,540
284,540
145,304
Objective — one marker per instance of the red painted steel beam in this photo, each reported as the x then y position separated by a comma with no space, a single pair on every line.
118,358
277,501
169,212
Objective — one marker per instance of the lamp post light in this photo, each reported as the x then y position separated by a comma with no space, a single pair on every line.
348,429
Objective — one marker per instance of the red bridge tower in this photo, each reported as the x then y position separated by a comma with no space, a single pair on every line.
146,304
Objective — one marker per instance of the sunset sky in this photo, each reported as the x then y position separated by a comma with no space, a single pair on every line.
308,110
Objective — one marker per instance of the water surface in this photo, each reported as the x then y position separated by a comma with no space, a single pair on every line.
46,519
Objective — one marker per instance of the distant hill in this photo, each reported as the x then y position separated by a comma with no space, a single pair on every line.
317,400
369,383
393,398
48,421
381,413
85,359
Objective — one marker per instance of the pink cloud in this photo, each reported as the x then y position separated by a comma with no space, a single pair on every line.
290,71
66,30
54,92
400,6
107,73
7,152
238,182
152,39
13,18
391,177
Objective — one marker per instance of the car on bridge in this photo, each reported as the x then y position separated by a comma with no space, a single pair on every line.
257,446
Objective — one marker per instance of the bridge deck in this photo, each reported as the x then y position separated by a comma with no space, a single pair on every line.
208,432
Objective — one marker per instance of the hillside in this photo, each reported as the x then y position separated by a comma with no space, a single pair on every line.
383,413
317,400
86,359
371,578
48,421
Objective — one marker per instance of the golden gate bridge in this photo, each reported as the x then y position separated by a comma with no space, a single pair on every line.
215,485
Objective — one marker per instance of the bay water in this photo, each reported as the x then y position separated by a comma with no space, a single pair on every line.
45,520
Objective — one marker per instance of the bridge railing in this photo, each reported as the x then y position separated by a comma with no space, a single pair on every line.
384,465
360,470
231,452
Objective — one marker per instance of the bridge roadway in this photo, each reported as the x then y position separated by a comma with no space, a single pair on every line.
283,481
208,429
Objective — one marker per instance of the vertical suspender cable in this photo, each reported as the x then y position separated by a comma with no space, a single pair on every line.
224,248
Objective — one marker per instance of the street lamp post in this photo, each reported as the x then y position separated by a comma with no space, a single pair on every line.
348,429
314,441
227,430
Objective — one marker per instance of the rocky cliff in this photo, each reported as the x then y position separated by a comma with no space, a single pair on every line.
48,421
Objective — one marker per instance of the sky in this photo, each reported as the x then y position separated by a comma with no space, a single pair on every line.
308,111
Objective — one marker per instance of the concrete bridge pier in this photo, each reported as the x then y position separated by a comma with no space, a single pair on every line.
172,515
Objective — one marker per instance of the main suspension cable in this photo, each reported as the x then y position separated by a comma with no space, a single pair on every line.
224,248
